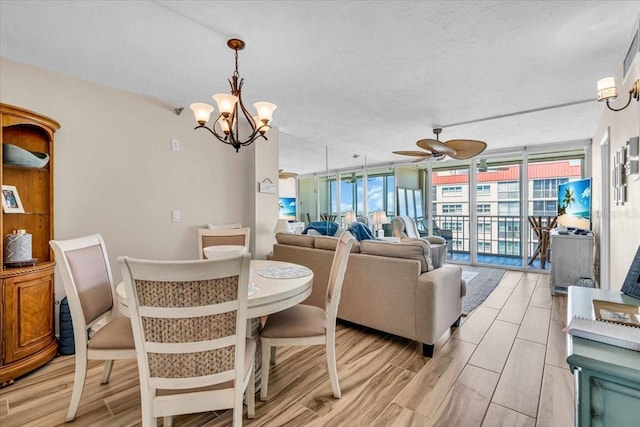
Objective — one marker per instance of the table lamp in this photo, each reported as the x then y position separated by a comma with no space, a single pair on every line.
282,226
349,217
379,218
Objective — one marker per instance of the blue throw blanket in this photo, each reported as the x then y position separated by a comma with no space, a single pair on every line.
325,228
360,231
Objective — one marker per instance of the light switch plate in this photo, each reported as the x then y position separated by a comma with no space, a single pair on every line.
175,144
175,216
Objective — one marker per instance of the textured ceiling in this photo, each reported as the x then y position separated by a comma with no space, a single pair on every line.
364,77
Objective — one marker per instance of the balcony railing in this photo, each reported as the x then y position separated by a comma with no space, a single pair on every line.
497,235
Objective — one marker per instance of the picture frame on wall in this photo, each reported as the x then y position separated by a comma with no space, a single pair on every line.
11,202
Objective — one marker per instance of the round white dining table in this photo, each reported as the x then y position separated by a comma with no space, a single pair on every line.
270,296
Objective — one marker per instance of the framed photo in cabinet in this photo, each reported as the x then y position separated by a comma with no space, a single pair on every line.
11,202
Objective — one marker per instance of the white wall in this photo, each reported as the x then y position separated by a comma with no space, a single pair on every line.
115,173
624,220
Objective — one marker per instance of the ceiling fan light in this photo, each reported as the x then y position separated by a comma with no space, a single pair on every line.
202,112
226,103
607,89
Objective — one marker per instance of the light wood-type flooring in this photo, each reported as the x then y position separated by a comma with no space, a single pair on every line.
505,366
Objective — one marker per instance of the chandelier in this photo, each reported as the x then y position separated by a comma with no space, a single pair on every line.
226,126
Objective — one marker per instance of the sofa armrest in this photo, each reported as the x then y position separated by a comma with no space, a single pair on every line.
438,302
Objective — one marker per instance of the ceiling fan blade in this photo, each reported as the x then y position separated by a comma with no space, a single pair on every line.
466,148
413,153
422,159
434,145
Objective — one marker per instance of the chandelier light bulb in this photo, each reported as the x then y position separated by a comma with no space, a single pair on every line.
226,103
224,125
265,111
202,112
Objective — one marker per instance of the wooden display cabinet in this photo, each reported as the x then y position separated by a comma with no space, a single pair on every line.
27,299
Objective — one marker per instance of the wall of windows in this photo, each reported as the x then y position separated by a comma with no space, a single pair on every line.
488,220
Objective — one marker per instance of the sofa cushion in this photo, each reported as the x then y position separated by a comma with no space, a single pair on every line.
407,248
295,239
330,243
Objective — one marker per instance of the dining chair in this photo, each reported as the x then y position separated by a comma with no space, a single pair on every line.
84,268
189,321
307,324
224,226
233,236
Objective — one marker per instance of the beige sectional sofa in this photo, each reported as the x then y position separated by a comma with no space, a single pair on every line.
391,287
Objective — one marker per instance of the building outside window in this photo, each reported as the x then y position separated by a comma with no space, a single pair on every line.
509,248
484,228
509,190
483,208
484,247
451,209
509,208
452,190
483,189
545,207
547,188
453,226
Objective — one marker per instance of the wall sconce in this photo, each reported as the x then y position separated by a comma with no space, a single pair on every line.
607,91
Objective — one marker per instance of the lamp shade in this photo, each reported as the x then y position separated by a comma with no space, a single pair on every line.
380,217
226,102
607,89
282,226
265,111
202,112
349,217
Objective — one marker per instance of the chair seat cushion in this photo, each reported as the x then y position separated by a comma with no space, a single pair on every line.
298,321
115,335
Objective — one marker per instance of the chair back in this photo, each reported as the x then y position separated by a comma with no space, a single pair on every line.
405,226
189,321
84,267
224,226
233,236
336,275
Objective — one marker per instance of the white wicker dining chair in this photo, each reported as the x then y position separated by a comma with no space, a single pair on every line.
189,321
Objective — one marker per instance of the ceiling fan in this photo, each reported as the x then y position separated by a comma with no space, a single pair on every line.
484,167
285,175
459,149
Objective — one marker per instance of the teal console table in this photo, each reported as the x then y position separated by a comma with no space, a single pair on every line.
607,378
